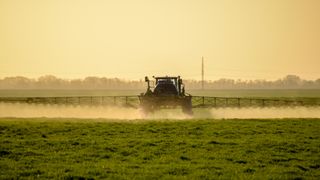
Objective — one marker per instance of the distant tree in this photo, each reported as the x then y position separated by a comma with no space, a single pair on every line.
18,82
92,82
292,81
51,82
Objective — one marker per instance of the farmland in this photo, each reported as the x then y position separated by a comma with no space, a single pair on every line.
168,149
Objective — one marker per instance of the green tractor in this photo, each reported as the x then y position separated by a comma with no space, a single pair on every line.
168,92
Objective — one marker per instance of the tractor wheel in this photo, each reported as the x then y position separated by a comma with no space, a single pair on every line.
187,106
147,109
147,106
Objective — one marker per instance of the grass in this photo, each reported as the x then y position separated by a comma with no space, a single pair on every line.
188,149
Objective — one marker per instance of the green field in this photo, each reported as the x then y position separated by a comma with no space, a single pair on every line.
166,149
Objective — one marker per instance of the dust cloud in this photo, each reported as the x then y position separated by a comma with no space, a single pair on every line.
67,111
24,110
267,112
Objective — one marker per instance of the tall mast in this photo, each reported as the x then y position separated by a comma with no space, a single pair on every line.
202,75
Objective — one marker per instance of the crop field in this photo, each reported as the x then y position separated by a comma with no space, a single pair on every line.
167,149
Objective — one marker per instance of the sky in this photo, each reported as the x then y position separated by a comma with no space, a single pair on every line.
247,39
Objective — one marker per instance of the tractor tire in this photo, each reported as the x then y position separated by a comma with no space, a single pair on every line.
147,106
187,106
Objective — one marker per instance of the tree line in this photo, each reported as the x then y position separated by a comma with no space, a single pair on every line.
92,82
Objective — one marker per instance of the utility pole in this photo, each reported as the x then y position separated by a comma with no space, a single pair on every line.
202,75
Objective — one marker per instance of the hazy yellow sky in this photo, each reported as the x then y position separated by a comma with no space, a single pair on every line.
249,39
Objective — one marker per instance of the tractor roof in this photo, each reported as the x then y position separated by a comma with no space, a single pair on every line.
167,77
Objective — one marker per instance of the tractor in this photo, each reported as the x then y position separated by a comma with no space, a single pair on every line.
167,92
